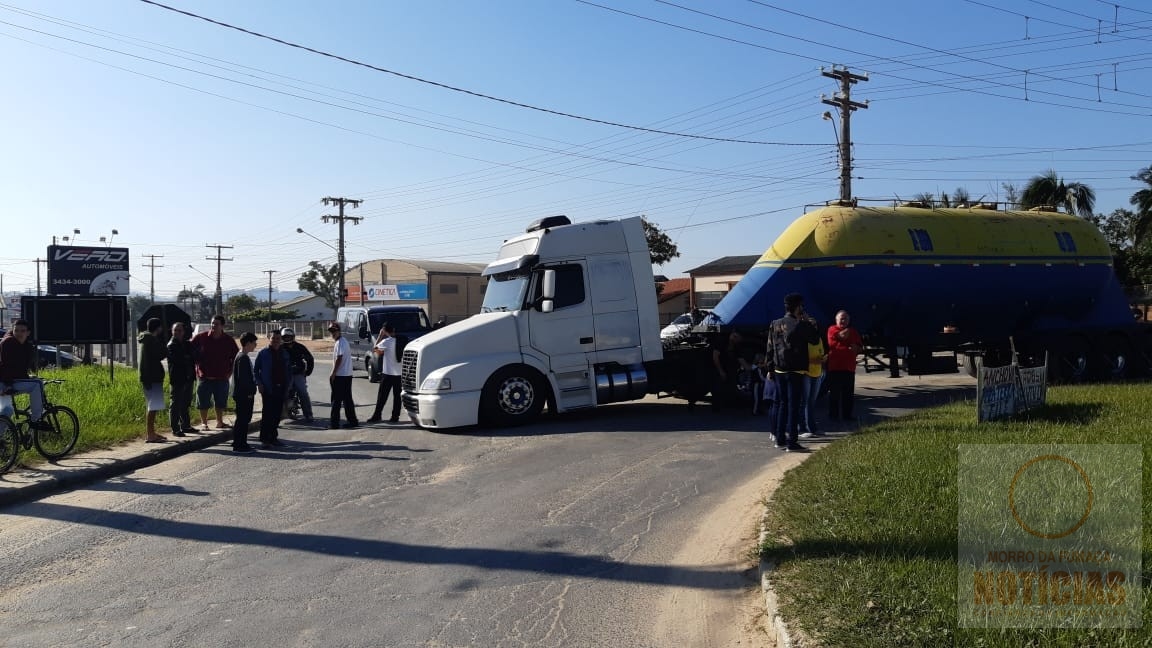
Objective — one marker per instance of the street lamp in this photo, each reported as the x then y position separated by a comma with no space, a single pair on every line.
300,230
827,116
108,242
201,272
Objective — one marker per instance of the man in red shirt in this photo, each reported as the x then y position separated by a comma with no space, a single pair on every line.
844,344
214,350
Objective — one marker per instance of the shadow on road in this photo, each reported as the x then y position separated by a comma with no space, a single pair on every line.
543,562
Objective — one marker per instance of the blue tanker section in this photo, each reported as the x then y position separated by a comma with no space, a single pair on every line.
912,303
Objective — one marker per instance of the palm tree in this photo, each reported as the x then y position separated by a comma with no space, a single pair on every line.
1142,201
1050,189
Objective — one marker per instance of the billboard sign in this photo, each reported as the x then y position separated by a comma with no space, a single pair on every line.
76,270
397,292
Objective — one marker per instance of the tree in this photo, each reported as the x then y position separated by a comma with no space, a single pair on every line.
926,197
1050,189
660,246
1132,262
137,304
1142,201
193,302
263,315
240,303
1011,193
324,282
961,197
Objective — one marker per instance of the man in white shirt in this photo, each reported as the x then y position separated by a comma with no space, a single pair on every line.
341,380
389,374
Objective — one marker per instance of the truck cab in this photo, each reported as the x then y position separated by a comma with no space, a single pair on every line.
569,319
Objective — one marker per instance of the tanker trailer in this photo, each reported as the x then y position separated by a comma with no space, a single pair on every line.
961,279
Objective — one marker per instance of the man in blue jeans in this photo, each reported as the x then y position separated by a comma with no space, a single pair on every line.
787,360
17,359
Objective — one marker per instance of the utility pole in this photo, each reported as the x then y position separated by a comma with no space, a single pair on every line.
152,282
843,101
38,262
217,259
269,293
339,220
3,303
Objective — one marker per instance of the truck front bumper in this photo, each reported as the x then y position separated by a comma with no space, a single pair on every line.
442,410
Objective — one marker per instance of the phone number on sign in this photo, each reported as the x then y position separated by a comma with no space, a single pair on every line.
71,282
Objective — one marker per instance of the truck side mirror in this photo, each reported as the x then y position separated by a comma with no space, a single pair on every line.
547,291
364,332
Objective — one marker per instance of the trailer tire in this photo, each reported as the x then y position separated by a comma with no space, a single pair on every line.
1115,356
1070,359
514,395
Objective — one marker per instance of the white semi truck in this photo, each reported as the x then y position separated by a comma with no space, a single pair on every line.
569,320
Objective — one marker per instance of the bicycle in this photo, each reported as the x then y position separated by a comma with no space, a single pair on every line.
17,431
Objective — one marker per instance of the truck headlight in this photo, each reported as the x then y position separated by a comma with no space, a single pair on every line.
436,384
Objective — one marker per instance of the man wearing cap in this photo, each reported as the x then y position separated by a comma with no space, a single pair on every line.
302,365
341,380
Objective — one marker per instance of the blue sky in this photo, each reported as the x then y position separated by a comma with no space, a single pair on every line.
180,133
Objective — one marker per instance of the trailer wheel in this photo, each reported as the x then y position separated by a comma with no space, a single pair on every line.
1116,357
514,395
1070,360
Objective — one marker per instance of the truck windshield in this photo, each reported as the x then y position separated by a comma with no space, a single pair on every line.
505,292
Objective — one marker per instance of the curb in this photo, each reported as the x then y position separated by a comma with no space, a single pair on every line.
779,628
70,479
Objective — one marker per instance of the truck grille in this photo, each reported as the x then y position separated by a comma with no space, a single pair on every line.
411,405
408,371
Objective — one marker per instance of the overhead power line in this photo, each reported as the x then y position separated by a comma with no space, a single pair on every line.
473,93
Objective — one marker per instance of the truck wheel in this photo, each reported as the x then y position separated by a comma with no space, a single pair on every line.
1070,360
1115,356
370,367
514,395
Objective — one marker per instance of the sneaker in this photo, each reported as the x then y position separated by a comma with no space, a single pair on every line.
178,433
189,430
777,444
275,442
811,435
244,450
795,447
42,426
373,419
393,420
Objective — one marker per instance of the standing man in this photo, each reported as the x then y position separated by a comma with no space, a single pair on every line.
302,366
17,359
787,357
389,375
341,380
215,350
181,377
844,344
273,378
244,393
152,375
727,363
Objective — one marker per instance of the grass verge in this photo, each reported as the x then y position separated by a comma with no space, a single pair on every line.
111,410
864,532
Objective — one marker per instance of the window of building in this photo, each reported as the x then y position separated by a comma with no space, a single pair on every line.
449,289
709,298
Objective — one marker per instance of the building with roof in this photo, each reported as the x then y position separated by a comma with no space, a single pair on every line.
674,298
713,280
444,289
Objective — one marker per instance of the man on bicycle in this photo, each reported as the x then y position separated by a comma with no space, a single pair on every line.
302,366
17,359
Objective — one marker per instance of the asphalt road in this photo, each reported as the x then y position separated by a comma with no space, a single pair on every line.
578,531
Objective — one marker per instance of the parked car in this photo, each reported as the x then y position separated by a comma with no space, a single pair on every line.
680,326
46,357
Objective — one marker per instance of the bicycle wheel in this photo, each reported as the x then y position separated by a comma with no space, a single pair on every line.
9,444
60,440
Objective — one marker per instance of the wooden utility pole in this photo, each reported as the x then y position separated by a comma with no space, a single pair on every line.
269,311
339,220
843,101
217,259
152,282
38,262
